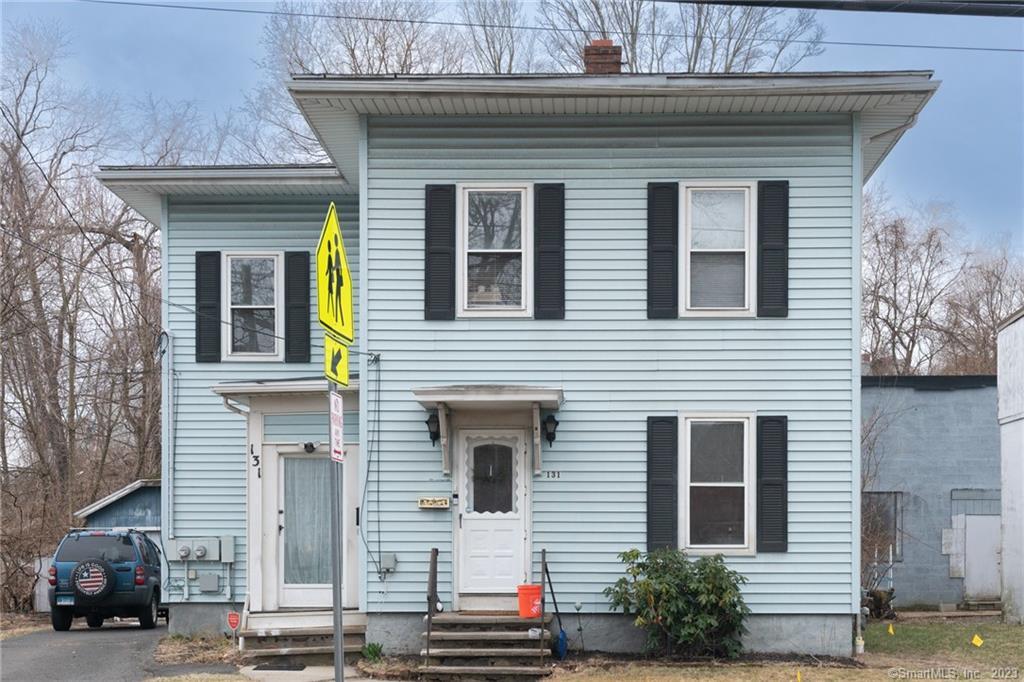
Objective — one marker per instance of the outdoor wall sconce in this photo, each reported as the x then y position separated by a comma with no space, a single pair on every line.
434,427
549,426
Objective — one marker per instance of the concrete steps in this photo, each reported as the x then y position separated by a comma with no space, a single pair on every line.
486,646
305,636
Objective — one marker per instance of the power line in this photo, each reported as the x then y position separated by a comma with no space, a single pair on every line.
978,8
526,27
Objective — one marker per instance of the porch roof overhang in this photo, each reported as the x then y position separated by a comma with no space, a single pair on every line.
489,396
144,187
239,390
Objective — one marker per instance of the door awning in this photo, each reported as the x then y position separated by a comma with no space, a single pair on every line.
489,396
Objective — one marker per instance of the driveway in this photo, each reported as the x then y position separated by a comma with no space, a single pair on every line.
118,652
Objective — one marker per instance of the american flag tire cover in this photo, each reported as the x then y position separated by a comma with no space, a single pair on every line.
90,578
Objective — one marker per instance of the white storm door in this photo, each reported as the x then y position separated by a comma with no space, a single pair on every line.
493,510
304,539
982,578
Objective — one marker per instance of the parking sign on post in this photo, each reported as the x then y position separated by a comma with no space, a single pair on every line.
337,428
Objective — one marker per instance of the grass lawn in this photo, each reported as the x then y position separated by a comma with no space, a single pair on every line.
948,641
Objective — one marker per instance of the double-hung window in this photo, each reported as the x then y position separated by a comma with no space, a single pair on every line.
495,256
253,301
718,224
717,496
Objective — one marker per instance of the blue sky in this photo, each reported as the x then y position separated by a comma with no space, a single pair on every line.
967,148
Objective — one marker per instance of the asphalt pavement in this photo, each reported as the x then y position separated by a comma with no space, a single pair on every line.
117,652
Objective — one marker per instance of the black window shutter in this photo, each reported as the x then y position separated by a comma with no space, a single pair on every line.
208,322
439,253
773,248
549,251
662,482
662,250
772,475
296,306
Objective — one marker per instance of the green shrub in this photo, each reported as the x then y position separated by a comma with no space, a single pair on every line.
690,608
373,651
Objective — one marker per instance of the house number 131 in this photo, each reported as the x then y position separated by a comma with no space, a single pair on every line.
552,474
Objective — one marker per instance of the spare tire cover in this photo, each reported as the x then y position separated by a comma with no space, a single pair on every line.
93,579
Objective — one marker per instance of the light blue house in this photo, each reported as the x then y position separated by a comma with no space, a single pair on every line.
594,313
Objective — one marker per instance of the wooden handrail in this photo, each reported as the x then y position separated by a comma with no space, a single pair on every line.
431,597
543,573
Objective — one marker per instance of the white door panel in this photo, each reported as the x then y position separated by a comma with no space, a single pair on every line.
492,487
982,579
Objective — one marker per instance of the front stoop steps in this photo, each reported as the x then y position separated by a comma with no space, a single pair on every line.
486,647
305,636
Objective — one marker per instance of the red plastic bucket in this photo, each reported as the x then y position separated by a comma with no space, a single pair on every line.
529,601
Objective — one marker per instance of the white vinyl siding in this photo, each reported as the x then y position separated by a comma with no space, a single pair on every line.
208,486
615,366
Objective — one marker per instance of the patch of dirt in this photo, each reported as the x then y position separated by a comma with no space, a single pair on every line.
15,624
603,662
179,649
391,667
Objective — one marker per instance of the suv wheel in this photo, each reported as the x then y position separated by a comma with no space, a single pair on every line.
94,620
61,618
147,617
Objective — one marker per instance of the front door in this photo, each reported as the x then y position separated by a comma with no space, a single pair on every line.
304,522
491,524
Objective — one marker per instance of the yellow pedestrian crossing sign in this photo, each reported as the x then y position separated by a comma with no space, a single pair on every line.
335,360
334,281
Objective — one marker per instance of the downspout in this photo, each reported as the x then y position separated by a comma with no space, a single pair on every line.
234,407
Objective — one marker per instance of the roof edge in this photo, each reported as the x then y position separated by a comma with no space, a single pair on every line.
117,495
137,174
930,382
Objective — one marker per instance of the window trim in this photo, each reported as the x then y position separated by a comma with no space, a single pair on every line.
462,244
226,307
749,420
750,244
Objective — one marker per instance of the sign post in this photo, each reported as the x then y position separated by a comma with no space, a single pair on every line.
234,620
334,312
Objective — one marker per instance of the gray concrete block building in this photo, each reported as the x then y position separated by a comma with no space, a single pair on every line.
931,469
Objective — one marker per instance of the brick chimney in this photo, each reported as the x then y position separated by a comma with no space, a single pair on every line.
602,57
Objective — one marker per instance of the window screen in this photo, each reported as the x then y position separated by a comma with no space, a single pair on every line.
716,482
492,476
718,225
494,248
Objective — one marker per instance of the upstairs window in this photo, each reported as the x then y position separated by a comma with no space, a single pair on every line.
253,301
718,236
495,256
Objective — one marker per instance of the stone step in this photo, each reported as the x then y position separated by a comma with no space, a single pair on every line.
478,671
484,636
302,631
511,619
299,650
470,652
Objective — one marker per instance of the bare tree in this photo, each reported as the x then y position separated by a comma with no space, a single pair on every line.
911,263
989,290
690,37
496,44
79,296
739,39
362,37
